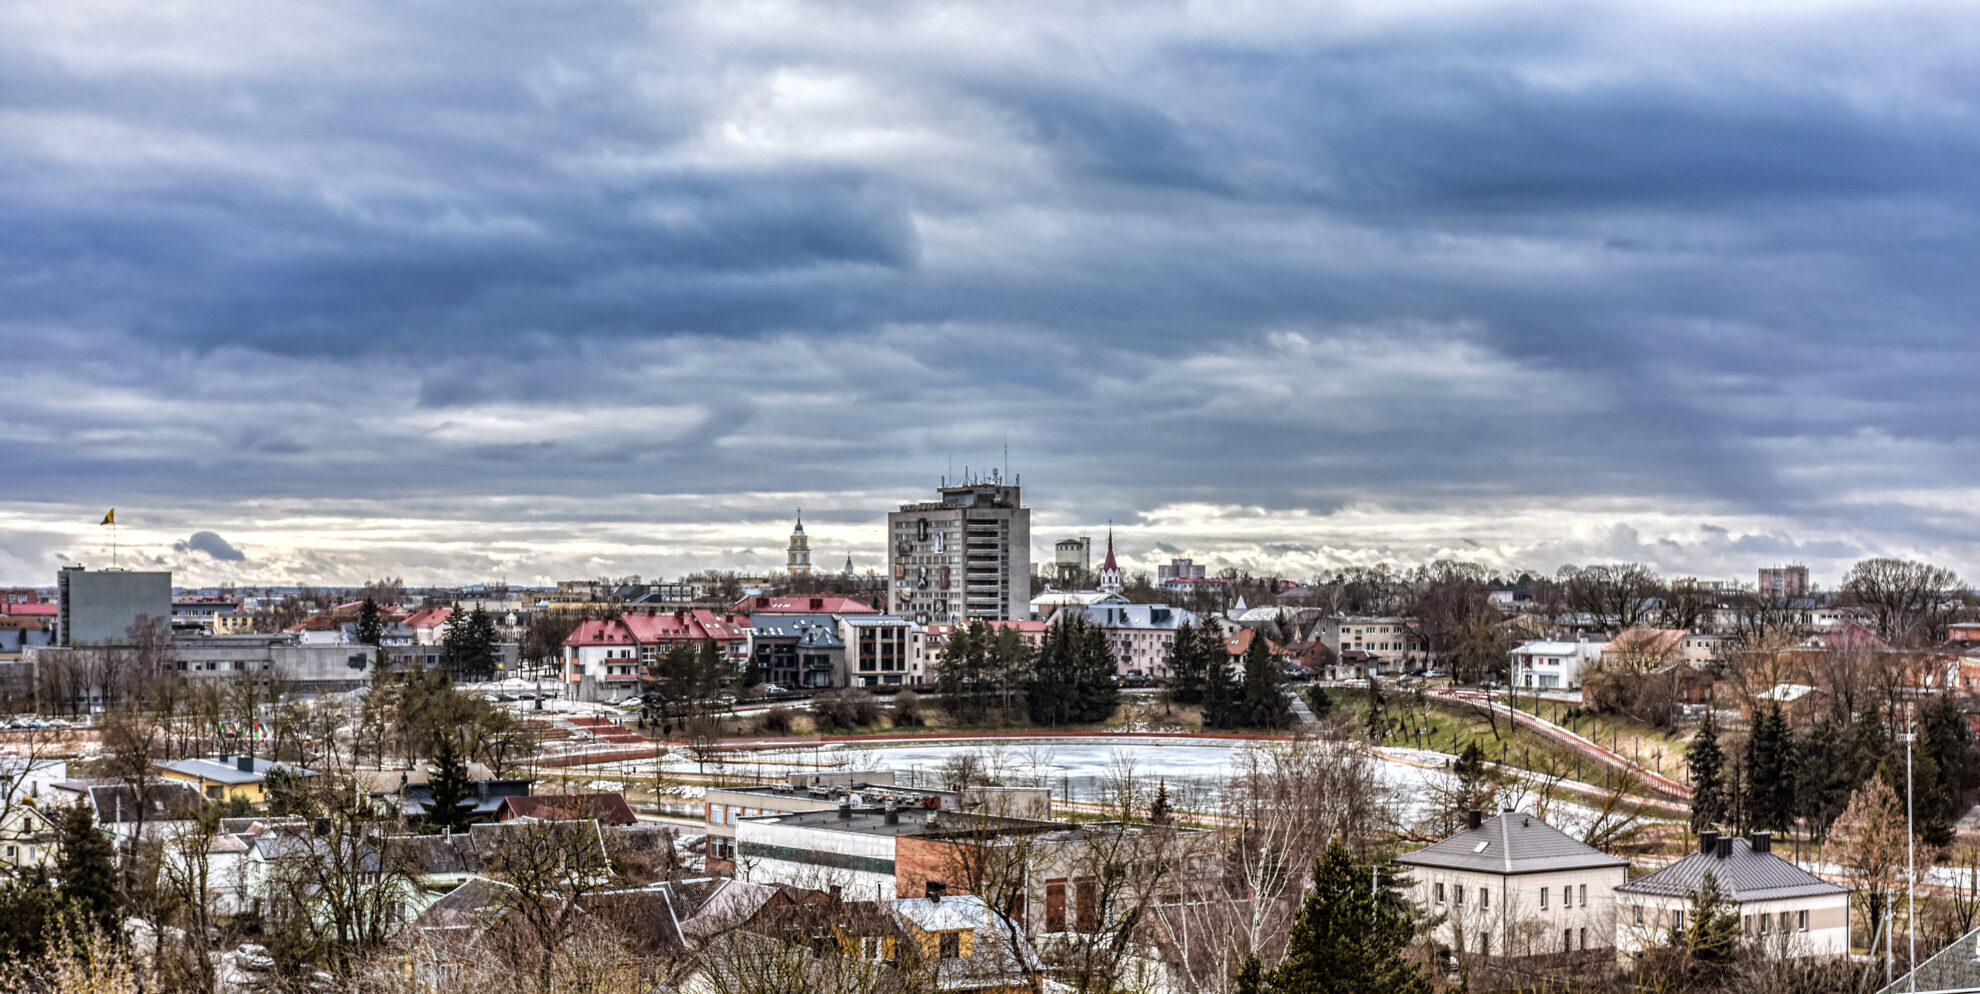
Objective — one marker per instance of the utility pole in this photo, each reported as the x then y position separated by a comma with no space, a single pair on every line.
1910,857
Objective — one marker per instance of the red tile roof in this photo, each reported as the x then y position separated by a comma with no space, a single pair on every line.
432,617
802,605
658,629
37,610
611,809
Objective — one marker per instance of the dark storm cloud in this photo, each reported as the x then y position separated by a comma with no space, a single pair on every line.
1426,257
211,544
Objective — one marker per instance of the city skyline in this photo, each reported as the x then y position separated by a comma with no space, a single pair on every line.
468,292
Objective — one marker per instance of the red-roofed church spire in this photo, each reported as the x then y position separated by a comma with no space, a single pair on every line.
1110,571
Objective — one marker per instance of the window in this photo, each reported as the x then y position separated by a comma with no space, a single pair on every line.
1567,898
1459,895
1567,940
1584,895
1784,923
1543,898
1440,891
951,945
1677,920
1055,905
1485,898
1801,920
1584,939
1765,921
1637,914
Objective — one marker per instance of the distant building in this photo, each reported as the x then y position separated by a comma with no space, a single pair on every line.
1178,569
226,778
797,559
1072,558
98,607
1783,908
1517,886
604,657
1372,644
879,651
1551,665
799,650
1140,635
1784,581
966,555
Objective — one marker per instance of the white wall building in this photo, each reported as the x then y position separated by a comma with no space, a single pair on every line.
1517,886
1782,908
1548,665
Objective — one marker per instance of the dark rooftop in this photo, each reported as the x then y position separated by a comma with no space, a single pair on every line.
1512,843
1744,876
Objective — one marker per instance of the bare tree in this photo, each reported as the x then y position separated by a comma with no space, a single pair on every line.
550,867
1871,852
1617,596
1908,603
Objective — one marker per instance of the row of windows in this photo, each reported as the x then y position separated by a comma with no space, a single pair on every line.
1568,895
1796,921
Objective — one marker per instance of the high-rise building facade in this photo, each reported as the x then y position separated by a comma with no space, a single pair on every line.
1784,581
962,556
98,607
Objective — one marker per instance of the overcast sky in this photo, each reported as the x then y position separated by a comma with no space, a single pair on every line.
459,291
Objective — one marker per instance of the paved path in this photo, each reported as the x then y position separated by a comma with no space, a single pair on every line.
1601,754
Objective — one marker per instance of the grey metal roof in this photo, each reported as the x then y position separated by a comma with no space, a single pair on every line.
1744,876
1953,968
227,769
1510,844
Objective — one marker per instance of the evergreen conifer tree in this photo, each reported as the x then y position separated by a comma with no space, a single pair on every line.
1378,716
1705,761
1264,699
452,791
1713,934
370,623
1073,681
1351,937
1188,666
84,870
1220,690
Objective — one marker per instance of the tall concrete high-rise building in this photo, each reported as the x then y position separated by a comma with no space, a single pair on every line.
97,607
1784,581
962,556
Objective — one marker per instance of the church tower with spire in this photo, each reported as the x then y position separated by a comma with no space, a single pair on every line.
798,558
1110,571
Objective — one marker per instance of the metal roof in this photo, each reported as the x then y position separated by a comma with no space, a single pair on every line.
1512,843
1744,876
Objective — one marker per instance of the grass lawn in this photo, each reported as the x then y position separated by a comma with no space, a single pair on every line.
1643,745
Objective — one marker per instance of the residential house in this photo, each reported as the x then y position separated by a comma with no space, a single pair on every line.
798,650
1139,635
603,658
1516,886
1389,644
27,839
168,808
608,808
429,627
1550,665
1788,910
1645,649
226,778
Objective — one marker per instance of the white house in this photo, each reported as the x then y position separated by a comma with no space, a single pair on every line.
1548,665
1517,886
1782,907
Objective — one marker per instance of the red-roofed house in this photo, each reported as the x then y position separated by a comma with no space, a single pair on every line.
802,604
428,627
606,657
610,809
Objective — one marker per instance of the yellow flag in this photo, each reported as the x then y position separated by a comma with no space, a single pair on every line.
108,519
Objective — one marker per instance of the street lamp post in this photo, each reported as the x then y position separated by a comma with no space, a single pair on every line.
1910,859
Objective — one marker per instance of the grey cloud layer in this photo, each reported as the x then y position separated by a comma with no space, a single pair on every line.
1426,258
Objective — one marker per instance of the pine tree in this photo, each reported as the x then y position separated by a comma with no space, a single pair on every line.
1706,764
1159,811
1378,716
1350,938
1769,796
1188,666
1822,776
451,789
30,913
961,672
1073,681
1473,773
470,646
1220,690
370,624
1714,933
1264,699
85,873
1318,699
1947,742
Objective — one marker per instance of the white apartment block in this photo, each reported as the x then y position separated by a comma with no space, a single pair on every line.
1550,665
1388,641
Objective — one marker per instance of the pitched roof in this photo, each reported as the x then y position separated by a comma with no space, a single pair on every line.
227,769
1512,843
1647,641
821,604
1744,876
1109,563
117,803
610,808
432,617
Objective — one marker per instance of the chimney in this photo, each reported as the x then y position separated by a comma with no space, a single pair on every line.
1708,840
1763,842
935,890
845,810
244,763
1725,847
1475,819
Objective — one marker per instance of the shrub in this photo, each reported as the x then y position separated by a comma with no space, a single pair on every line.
907,710
776,720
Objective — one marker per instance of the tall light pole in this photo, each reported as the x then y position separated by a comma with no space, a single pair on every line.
1910,857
